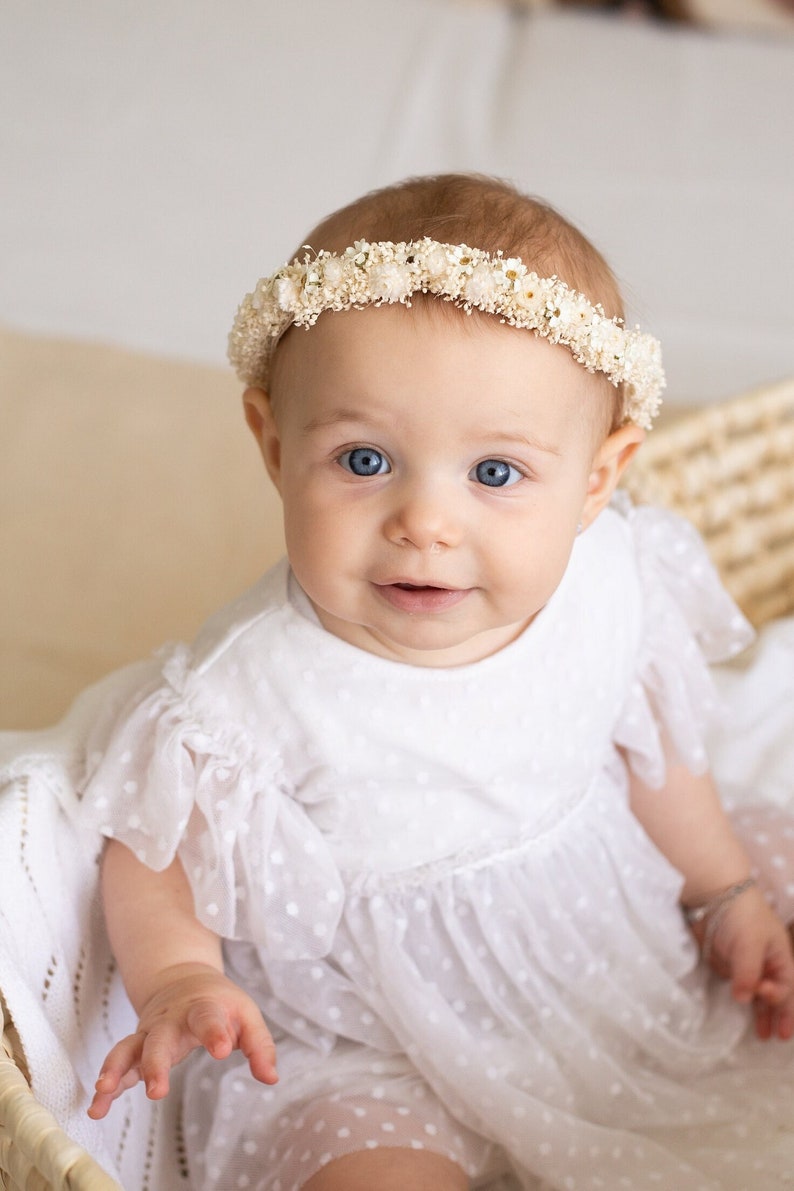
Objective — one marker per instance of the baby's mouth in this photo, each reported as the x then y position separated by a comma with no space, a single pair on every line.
420,597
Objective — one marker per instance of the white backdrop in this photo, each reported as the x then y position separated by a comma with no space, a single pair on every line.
158,156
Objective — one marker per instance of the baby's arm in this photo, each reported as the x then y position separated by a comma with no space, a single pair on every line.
751,945
172,969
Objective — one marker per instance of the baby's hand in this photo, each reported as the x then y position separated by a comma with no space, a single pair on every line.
195,1005
753,949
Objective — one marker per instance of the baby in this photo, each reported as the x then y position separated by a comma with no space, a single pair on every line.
432,800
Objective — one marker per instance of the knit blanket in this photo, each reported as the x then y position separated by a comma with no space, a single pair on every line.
57,973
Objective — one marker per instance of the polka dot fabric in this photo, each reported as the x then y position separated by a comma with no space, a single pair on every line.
767,833
432,883
392,1108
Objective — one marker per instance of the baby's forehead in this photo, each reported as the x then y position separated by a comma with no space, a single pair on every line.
337,331
425,316
399,348
498,379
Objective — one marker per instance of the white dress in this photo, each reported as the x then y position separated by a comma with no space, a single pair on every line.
431,882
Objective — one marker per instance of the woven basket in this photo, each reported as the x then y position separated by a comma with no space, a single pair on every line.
35,1153
730,470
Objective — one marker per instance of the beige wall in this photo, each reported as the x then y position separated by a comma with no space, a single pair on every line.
133,503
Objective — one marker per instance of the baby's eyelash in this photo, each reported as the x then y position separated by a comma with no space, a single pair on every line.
497,473
364,461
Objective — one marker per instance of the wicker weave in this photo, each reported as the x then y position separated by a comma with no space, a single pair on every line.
730,470
35,1153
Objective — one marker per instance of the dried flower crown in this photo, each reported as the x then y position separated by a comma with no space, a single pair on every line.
374,273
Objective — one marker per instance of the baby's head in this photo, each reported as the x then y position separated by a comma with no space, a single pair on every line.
491,215
493,218
463,404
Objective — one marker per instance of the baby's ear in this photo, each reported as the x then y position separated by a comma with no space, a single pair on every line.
609,463
262,424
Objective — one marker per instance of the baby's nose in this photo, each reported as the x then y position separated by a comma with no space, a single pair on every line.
424,516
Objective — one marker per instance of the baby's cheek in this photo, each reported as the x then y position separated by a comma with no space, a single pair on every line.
537,568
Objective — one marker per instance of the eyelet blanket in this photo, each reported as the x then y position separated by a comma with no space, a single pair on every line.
57,973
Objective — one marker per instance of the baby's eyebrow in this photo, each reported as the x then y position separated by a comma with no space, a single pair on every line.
523,440
483,435
336,418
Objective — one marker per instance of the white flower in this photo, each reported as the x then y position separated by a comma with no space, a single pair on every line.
333,270
530,296
462,256
607,342
435,262
359,252
480,287
514,271
574,311
288,293
390,282
386,272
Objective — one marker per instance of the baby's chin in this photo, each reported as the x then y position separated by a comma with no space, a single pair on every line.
422,641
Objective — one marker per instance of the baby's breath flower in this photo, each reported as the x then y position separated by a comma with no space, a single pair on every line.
367,273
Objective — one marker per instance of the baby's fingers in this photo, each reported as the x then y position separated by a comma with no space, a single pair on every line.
774,1021
774,1013
102,1101
746,968
258,1047
120,1071
209,1025
220,1033
784,1022
167,1044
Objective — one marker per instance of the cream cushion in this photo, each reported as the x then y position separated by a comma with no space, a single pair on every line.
133,502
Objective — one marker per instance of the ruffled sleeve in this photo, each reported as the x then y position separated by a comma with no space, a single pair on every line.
689,621
175,774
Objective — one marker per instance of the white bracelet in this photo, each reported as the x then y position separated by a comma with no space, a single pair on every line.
713,910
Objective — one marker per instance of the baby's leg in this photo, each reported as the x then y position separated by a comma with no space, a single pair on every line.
379,1142
389,1169
768,837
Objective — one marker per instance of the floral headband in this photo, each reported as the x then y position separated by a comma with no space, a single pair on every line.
367,274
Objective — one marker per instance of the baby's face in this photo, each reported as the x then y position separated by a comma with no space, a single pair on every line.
433,472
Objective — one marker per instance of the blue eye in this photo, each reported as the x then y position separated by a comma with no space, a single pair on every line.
495,473
365,461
